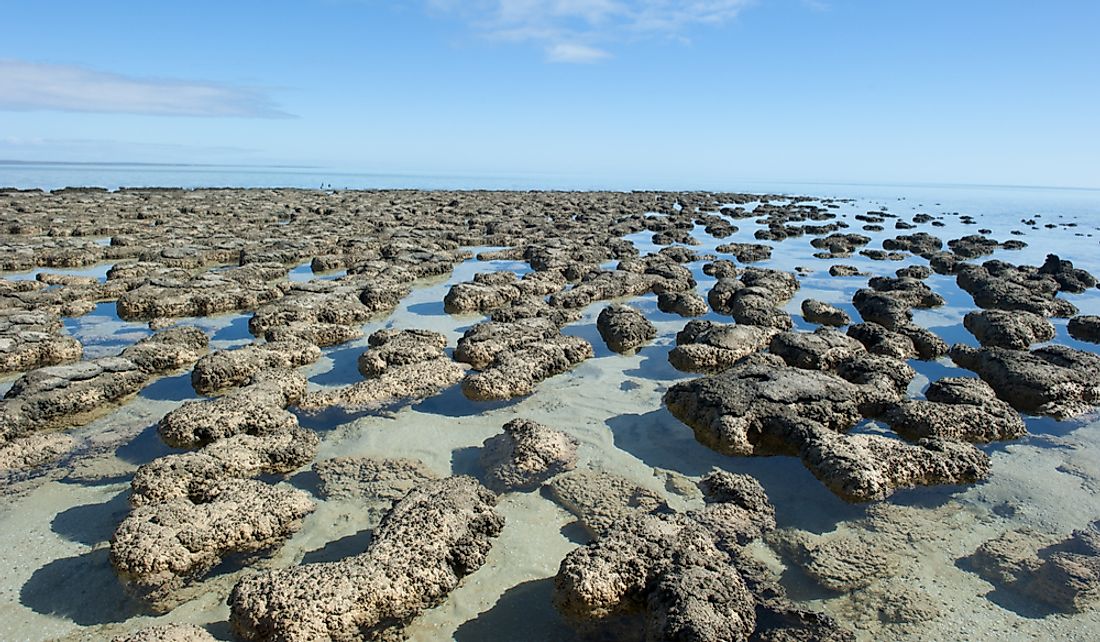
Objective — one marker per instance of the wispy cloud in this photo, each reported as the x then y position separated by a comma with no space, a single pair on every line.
567,52
581,31
32,86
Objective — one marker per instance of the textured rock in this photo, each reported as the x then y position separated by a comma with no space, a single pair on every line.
709,347
231,368
1016,329
1064,575
208,293
960,409
396,385
670,572
845,270
820,312
32,340
255,409
481,344
168,633
864,467
1055,380
685,304
70,395
392,347
516,373
823,349
369,478
756,297
599,499
746,252
526,455
623,328
882,341
1003,286
161,547
750,408
1084,328
436,535
187,475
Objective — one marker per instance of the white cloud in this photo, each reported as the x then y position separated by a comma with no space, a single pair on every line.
30,86
567,52
579,30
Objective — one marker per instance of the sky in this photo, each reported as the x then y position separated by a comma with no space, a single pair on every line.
695,92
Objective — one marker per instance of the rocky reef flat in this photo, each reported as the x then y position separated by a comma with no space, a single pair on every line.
296,415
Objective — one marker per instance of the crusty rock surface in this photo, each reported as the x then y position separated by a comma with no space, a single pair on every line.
671,572
1054,380
516,373
599,499
748,409
168,633
1016,329
526,455
685,304
823,349
230,368
161,547
258,408
392,347
370,478
68,395
624,328
866,467
709,347
1064,575
396,385
436,535
1085,327
32,340
755,297
961,409
1003,286
820,312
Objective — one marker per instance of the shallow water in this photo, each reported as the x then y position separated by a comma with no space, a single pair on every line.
59,583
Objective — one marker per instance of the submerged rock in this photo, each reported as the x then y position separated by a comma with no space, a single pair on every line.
440,532
526,455
600,499
1055,380
1064,575
624,328
370,478
841,564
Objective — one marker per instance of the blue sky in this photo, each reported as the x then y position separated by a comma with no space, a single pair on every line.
694,92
